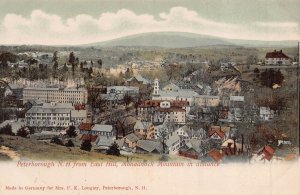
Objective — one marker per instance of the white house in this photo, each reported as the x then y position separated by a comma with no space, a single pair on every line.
54,115
172,93
172,143
266,113
277,58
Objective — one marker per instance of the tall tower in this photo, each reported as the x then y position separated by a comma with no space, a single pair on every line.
156,87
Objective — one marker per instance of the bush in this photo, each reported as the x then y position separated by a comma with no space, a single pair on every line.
71,131
69,144
22,132
31,130
56,140
113,150
86,145
7,130
256,70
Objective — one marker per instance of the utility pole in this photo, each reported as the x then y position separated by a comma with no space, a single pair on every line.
298,94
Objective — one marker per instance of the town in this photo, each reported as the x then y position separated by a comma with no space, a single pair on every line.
213,104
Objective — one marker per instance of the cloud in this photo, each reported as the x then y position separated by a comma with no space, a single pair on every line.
50,29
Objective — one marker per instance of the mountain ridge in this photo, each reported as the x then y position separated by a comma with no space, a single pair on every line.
182,40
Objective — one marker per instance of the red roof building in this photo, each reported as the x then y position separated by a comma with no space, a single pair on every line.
277,58
215,155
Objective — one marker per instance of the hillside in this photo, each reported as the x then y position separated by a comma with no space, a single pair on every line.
181,40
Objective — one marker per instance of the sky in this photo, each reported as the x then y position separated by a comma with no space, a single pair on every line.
72,22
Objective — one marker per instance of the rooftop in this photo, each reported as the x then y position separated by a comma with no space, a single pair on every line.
276,54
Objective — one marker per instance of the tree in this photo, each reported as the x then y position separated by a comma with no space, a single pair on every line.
31,130
86,145
22,132
71,132
113,150
270,77
7,130
256,70
57,140
55,65
54,57
69,143
251,60
72,58
100,62
127,99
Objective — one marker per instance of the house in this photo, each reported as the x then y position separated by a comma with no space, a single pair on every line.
131,140
158,129
198,134
122,90
277,58
266,114
147,108
193,149
172,92
231,147
14,90
173,115
144,129
96,129
103,130
217,137
15,124
104,142
148,146
89,137
137,80
215,155
172,143
263,154
206,101
54,115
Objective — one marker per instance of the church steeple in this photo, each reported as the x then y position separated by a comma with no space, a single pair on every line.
156,87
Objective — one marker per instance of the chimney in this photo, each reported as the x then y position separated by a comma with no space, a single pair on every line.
275,50
281,51
242,143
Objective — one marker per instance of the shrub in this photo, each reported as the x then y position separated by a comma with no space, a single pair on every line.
71,131
56,140
22,132
69,144
7,130
113,150
86,145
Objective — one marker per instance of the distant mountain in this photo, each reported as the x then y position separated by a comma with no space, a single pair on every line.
179,40
163,39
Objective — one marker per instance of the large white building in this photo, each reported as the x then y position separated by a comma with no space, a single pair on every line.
172,92
54,115
55,94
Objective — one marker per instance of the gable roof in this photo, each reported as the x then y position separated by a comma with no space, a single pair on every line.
141,125
132,137
104,141
171,139
276,54
215,155
149,146
140,79
92,138
86,126
219,132
105,128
